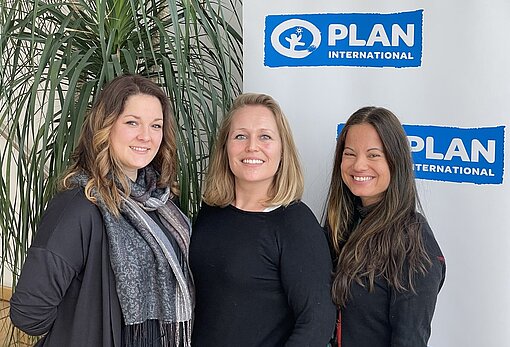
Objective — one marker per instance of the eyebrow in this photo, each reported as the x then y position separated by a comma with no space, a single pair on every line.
368,150
137,117
260,130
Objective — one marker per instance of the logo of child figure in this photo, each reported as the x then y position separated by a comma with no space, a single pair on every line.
300,38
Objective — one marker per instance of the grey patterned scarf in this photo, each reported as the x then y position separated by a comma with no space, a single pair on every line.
153,280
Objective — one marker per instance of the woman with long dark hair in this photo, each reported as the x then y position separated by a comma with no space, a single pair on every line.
389,267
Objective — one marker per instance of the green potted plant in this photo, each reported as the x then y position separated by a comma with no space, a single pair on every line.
55,56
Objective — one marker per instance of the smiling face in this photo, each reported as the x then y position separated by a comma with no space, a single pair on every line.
364,167
254,147
137,133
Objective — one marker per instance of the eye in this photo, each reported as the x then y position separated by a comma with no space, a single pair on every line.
157,126
265,137
240,137
131,122
348,154
374,155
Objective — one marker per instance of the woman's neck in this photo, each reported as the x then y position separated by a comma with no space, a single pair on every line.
250,198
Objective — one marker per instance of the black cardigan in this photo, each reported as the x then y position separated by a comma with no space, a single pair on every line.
67,288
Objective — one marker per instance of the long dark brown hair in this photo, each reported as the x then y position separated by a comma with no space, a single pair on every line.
93,155
388,242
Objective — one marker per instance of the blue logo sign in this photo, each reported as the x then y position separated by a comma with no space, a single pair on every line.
344,39
473,155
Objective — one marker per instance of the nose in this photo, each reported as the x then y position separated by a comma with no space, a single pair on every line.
360,163
253,144
144,134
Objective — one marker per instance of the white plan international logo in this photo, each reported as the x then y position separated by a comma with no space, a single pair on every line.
301,36
344,39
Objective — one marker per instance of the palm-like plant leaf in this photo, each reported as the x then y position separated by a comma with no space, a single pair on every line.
55,57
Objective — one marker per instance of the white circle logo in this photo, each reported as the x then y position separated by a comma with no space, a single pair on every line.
294,39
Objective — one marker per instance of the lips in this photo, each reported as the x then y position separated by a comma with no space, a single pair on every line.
139,149
252,161
362,178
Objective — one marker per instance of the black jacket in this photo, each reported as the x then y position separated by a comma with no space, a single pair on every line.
67,288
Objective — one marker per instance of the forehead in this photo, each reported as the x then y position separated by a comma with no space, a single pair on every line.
139,97
363,135
142,105
253,116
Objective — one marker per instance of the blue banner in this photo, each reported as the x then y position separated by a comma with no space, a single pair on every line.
344,39
472,155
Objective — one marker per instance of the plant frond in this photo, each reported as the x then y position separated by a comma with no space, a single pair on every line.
56,56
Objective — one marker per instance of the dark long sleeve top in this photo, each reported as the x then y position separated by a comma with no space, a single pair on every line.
389,318
67,288
262,278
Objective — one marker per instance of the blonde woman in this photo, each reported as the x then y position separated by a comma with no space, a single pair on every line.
260,259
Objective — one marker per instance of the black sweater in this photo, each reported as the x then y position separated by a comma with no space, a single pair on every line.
388,318
262,278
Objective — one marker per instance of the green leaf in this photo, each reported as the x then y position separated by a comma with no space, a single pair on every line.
56,56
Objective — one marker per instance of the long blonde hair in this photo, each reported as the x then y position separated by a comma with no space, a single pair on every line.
93,155
288,183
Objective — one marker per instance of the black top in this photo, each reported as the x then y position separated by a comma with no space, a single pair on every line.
67,287
262,278
387,318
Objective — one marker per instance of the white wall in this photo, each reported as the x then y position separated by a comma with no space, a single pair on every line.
463,81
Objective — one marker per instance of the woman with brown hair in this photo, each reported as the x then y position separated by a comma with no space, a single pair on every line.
108,265
259,257
389,267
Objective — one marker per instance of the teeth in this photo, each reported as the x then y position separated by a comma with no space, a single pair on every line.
139,149
252,161
361,179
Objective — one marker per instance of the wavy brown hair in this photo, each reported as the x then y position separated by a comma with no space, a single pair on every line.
388,243
288,183
93,155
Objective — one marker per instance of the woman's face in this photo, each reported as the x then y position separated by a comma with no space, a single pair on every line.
137,133
364,167
254,147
